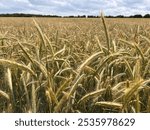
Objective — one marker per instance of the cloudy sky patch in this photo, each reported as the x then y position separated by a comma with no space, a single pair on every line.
76,7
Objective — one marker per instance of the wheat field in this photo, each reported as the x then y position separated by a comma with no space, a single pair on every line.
63,65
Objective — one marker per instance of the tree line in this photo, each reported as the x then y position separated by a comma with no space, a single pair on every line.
26,15
72,16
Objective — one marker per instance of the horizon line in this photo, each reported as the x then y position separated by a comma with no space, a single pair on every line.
78,15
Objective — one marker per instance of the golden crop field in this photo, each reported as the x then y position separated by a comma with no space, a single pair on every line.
74,65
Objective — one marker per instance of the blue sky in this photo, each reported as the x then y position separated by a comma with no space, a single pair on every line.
76,7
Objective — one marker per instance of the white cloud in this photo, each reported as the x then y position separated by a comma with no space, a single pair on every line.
76,7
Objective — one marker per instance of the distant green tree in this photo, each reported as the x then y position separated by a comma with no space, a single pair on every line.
147,16
136,16
120,16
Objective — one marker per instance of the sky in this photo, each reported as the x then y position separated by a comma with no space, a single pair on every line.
76,7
